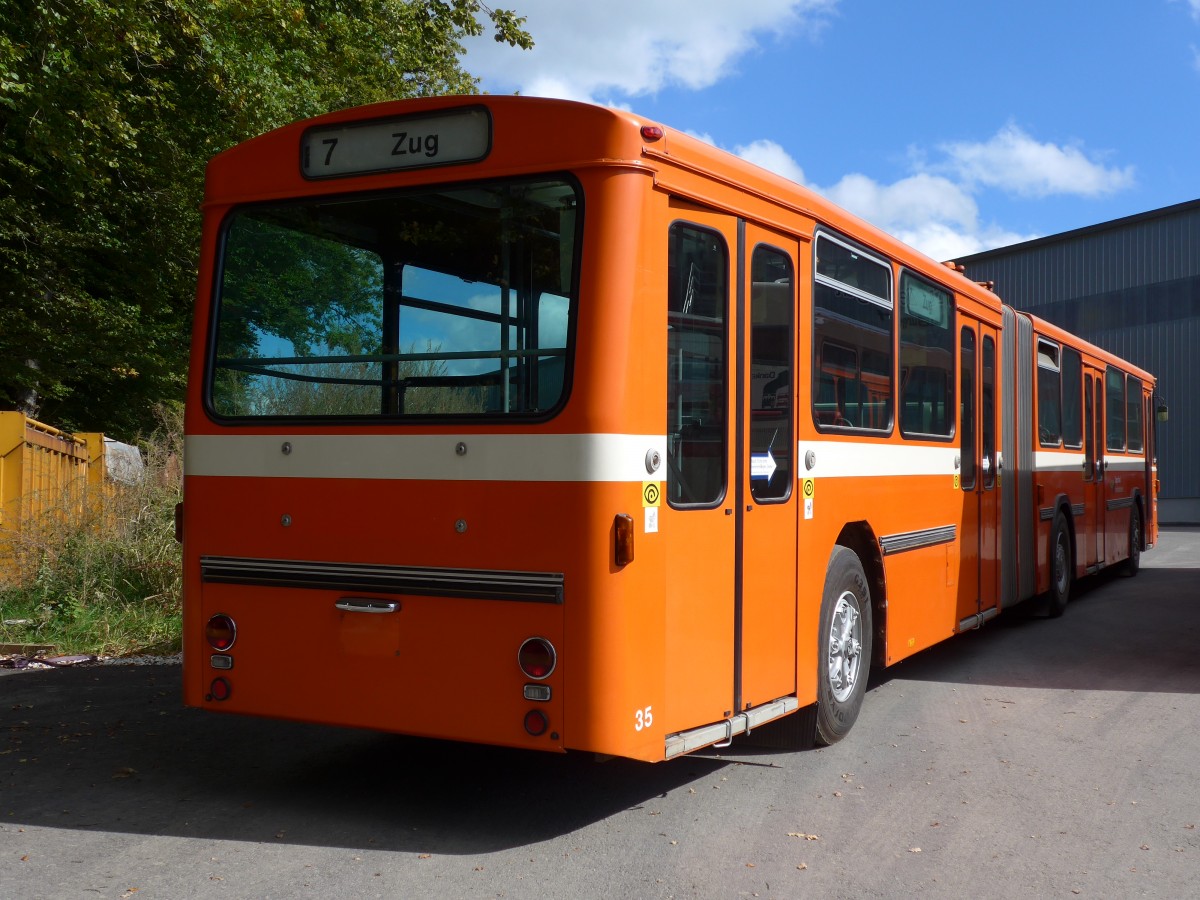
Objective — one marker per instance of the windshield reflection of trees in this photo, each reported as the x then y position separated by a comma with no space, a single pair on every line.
456,302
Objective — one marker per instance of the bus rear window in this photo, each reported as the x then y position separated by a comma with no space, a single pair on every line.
445,303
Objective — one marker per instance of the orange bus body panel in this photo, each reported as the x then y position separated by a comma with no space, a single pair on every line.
717,618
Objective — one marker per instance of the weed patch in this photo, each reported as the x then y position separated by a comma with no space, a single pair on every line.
99,570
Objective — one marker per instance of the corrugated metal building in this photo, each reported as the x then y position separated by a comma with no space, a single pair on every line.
1132,286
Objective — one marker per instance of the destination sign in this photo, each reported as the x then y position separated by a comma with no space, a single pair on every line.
461,135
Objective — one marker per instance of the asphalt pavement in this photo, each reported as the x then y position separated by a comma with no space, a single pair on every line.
1034,757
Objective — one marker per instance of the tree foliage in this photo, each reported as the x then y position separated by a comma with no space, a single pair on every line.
109,110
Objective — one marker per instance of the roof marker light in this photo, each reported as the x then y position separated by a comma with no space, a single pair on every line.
652,133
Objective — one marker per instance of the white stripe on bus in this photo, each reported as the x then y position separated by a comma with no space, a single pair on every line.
535,457
491,457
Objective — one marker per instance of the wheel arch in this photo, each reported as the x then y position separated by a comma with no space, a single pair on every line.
860,539
1062,504
1139,504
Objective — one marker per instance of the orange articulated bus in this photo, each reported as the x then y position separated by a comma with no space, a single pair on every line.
538,424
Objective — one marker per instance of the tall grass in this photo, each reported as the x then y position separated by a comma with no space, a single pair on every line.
99,571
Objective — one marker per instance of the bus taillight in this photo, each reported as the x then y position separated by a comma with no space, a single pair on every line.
537,658
536,722
220,689
220,632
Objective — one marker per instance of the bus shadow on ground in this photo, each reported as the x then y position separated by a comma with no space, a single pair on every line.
111,749
1118,634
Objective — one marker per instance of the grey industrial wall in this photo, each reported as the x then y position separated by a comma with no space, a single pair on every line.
1131,286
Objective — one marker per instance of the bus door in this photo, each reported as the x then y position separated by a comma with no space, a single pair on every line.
1091,540
1151,492
979,471
766,511
729,521
697,525
1102,465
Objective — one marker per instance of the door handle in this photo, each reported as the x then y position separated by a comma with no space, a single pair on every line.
366,605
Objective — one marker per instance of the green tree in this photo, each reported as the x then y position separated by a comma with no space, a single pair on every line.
109,110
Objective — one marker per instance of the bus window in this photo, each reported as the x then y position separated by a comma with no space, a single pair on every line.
1133,403
1114,386
430,303
1089,436
987,408
852,331
1072,419
1049,393
926,359
771,351
967,403
697,393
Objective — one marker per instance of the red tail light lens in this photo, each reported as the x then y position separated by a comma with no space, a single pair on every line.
220,689
537,658
220,632
536,722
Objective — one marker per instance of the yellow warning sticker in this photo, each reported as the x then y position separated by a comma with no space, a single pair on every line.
809,487
651,493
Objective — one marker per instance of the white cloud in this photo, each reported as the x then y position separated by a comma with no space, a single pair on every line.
907,203
621,49
1016,163
773,157
933,213
633,47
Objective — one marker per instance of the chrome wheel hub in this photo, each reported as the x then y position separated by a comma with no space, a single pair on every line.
845,647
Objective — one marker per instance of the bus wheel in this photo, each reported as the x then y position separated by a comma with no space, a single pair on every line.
1061,567
1133,562
844,651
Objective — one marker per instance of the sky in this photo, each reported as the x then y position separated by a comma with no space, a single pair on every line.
956,125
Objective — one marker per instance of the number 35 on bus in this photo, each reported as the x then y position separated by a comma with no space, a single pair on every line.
539,424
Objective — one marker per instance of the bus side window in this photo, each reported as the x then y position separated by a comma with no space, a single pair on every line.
1114,386
1072,411
926,359
1049,395
1133,403
852,331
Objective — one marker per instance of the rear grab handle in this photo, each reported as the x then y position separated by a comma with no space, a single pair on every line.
367,605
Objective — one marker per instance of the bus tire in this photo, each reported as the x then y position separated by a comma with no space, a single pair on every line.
1062,567
1133,562
843,646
